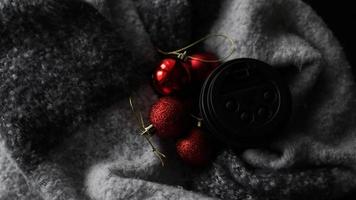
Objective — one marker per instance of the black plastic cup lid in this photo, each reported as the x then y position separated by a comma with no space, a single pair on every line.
245,102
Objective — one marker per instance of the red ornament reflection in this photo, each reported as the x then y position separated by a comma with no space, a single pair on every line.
171,76
200,70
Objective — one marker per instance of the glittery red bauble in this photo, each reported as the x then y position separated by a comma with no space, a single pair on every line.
194,149
200,70
171,76
169,117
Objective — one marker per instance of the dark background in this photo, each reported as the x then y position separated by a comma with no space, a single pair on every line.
340,16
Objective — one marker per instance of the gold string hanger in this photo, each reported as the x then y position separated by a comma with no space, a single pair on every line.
146,131
199,120
182,52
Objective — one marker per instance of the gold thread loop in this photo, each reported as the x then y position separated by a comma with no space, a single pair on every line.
183,55
146,131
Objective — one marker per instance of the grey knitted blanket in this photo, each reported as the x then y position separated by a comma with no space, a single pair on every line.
67,131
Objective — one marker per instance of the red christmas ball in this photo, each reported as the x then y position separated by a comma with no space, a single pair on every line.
169,117
171,76
200,70
194,149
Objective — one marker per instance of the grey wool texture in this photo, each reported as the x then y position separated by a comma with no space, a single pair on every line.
60,62
67,68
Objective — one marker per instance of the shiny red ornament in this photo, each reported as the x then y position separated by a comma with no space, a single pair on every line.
171,76
200,70
194,149
169,117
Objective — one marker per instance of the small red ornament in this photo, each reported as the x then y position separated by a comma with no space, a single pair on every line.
194,149
169,117
171,76
200,70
